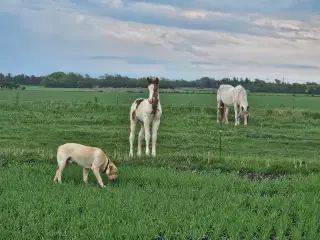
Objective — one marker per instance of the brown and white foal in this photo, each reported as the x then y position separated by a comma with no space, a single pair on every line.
146,111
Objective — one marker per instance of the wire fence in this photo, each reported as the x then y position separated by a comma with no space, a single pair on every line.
120,98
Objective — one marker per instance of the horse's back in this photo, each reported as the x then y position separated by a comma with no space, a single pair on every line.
241,91
225,94
240,87
224,87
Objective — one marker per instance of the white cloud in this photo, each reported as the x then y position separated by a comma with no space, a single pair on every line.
112,3
74,33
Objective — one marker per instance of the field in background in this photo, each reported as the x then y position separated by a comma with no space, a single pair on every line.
187,191
256,100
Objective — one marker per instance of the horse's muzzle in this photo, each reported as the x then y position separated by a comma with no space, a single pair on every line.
150,100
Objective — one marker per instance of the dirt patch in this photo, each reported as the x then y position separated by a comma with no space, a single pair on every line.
263,176
31,161
258,176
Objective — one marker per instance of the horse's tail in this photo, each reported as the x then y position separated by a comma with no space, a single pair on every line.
221,110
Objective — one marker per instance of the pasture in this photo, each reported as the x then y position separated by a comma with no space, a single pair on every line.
265,185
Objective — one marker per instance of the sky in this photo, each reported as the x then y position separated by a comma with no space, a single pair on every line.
176,39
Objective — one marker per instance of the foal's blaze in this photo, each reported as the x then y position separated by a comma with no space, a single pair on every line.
154,96
222,111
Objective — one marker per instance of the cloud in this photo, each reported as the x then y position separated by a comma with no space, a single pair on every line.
296,66
131,59
253,23
179,39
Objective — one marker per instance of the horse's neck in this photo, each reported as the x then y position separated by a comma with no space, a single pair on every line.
243,99
155,105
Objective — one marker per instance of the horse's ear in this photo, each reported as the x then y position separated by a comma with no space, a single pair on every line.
149,80
157,80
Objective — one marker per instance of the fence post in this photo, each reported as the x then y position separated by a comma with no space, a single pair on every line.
117,98
293,99
17,98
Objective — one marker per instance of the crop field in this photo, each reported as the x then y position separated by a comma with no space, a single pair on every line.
263,184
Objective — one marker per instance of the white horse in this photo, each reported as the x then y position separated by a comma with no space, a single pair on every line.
228,96
146,111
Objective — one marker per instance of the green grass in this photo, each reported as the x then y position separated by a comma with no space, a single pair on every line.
150,202
187,192
256,100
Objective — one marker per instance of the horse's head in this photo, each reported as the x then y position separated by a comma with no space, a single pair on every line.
245,113
153,89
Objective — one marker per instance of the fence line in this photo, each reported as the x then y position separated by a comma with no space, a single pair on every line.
117,102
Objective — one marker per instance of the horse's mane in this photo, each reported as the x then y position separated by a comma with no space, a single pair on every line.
155,101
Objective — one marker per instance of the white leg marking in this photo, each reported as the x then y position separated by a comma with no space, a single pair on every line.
147,135
155,126
140,138
218,111
226,115
131,138
235,114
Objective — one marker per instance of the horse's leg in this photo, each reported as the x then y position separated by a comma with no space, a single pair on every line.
131,138
236,114
140,138
218,112
226,115
146,123
155,126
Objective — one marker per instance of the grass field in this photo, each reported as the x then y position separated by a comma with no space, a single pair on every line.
264,186
257,100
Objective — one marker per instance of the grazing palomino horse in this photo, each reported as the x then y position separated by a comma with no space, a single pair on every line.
228,96
146,111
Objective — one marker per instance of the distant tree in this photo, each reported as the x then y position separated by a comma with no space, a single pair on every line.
277,81
74,80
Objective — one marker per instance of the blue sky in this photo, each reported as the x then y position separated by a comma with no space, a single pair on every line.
175,39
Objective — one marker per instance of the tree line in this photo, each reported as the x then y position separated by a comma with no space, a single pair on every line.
76,80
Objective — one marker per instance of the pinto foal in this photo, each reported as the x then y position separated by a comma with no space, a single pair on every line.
146,111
